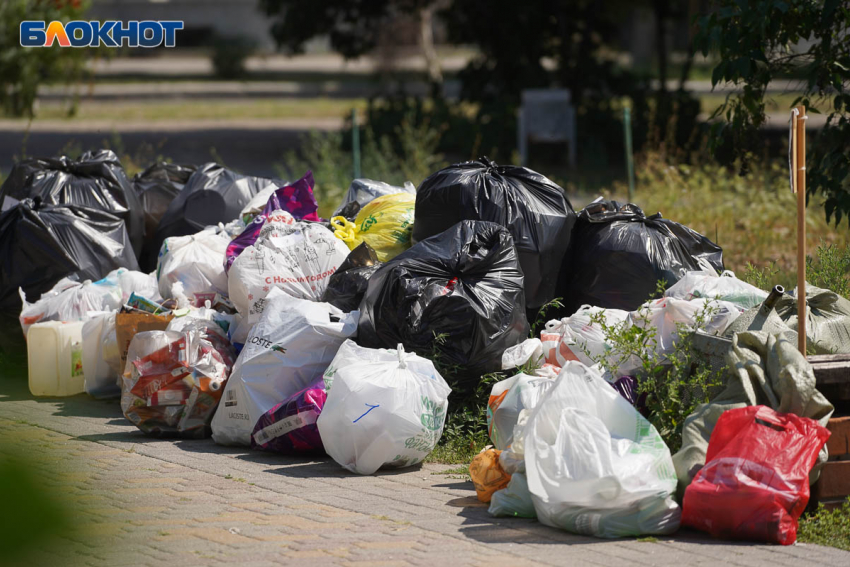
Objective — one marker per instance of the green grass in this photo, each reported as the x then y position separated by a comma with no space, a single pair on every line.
753,217
825,527
204,109
454,450
457,470
773,102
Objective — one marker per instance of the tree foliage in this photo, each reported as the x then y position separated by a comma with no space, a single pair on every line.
23,69
569,44
353,26
762,40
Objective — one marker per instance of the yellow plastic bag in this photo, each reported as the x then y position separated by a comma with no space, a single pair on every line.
487,474
385,224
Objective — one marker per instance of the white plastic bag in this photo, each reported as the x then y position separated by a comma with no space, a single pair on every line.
348,352
507,399
257,203
131,281
232,229
101,356
528,351
384,412
594,465
299,263
514,500
667,314
70,301
578,337
290,346
196,261
173,380
187,317
711,286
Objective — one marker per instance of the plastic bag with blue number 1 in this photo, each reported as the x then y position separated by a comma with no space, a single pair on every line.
386,408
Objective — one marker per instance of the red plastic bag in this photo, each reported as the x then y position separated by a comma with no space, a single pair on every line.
755,483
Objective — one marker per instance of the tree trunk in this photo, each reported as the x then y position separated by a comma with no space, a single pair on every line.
693,7
662,10
426,42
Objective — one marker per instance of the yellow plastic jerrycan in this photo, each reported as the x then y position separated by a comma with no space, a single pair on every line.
55,358
385,224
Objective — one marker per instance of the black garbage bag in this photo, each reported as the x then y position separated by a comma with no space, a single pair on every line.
213,194
40,244
156,187
361,192
465,283
533,208
95,181
348,284
619,255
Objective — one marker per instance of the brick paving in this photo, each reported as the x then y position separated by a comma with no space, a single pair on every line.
150,502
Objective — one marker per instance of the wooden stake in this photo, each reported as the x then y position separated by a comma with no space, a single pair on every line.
799,159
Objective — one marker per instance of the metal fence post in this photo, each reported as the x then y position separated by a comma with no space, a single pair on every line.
630,162
355,143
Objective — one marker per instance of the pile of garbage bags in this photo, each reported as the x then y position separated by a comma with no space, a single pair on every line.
95,181
262,325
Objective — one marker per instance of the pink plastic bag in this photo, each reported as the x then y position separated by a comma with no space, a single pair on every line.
755,483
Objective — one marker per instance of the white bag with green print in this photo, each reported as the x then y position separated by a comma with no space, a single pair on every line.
594,465
386,408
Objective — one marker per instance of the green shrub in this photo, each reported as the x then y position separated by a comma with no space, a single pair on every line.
753,217
673,385
409,153
229,54
829,268
827,527
465,433
22,69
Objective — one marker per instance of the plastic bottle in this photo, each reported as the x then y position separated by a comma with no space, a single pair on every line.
55,358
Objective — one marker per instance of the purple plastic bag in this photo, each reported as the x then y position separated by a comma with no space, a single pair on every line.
627,386
297,199
290,426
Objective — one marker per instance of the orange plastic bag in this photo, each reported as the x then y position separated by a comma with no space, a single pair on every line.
487,474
